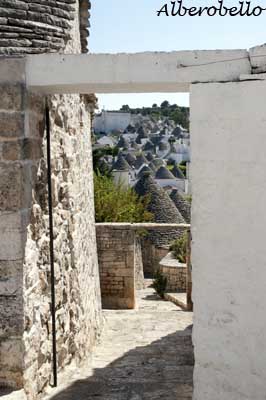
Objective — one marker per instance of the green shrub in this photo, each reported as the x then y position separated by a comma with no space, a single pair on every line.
116,203
159,283
179,248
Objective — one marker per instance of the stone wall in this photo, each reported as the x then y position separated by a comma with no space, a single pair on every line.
175,272
228,247
139,272
41,26
152,255
120,265
25,336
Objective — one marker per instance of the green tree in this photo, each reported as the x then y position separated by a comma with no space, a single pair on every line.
116,203
125,107
165,104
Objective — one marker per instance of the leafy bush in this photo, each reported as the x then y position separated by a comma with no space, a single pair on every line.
159,283
116,203
179,248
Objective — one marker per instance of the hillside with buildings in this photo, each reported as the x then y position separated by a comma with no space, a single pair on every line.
142,144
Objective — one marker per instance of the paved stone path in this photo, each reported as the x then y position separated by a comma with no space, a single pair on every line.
145,354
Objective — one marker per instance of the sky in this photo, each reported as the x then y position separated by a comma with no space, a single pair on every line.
133,26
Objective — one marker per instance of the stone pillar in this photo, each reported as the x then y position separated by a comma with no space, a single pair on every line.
15,199
25,292
228,172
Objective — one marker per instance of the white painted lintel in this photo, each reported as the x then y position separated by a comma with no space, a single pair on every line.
133,73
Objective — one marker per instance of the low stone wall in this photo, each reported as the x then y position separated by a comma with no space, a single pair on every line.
120,265
139,273
151,255
175,272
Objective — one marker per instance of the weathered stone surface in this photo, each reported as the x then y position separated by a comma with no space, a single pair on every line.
24,149
11,362
11,98
118,265
12,124
59,19
11,315
145,354
15,186
175,272
25,359
12,70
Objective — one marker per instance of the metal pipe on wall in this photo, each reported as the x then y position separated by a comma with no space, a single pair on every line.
51,234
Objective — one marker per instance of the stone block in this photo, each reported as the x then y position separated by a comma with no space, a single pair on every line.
11,124
11,315
12,70
13,235
11,362
15,186
22,149
11,277
12,96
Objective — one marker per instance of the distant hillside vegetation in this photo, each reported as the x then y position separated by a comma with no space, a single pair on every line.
179,114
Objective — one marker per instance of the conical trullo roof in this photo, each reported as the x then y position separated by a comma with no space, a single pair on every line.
145,170
176,171
182,205
163,209
142,133
155,140
121,164
130,128
130,159
148,146
122,143
149,156
140,160
164,173
177,132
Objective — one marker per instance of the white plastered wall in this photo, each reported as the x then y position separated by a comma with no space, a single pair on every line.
228,171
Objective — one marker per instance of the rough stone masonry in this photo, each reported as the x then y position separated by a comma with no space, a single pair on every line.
25,334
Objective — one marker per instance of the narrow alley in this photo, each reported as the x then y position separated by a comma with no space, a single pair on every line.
144,354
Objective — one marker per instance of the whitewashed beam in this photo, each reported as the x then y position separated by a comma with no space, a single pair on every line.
134,73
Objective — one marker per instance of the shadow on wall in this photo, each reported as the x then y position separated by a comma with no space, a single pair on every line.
161,370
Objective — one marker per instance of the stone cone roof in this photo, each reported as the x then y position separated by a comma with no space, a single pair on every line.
176,171
140,160
121,164
177,132
149,156
145,170
142,133
162,208
183,206
156,139
148,146
130,159
130,128
122,143
138,139
164,173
